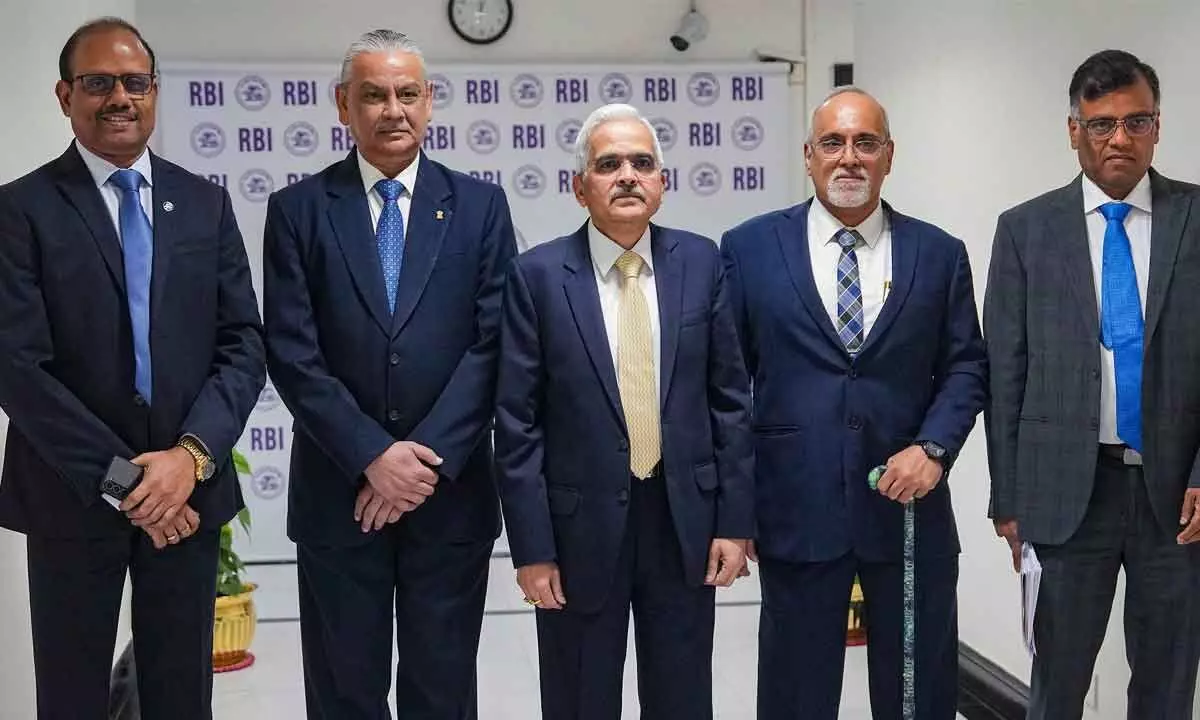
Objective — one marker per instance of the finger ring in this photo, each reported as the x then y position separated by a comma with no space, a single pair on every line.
172,538
533,602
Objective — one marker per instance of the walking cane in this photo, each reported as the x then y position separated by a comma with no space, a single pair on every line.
910,600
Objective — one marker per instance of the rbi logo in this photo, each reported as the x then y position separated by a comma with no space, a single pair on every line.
300,138
567,133
256,185
666,132
267,483
443,91
252,92
268,399
615,88
703,89
705,179
747,133
208,140
529,181
483,137
526,91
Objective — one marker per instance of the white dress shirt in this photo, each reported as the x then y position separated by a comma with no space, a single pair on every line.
1137,227
101,170
371,175
608,281
874,260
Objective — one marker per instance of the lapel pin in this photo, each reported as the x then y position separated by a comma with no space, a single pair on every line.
439,215
168,206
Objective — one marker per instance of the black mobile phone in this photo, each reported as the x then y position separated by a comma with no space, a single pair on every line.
120,480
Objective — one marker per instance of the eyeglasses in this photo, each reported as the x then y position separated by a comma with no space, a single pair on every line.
102,85
1102,128
864,147
642,164
410,95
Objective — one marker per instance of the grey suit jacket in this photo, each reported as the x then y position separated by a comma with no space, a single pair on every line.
1042,330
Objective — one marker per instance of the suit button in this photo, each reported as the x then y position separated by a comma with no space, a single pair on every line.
624,446
1094,424
394,415
394,359
622,497
855,423
1095,374
853,374
139,400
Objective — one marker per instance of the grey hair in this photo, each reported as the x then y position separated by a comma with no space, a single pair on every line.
887,128
604,114
382,40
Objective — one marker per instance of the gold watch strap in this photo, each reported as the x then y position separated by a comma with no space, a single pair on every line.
199,458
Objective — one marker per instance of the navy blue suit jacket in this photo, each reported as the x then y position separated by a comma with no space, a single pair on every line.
822,420
357,377
66,347
562,448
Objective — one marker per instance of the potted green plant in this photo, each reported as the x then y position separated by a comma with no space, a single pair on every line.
235,617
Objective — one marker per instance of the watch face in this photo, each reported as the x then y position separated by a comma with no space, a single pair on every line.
480,21
208,470
934,450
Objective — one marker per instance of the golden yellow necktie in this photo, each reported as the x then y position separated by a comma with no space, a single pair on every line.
635,369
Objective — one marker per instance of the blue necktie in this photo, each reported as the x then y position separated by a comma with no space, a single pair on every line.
849,301
390,237
137,242
1121,326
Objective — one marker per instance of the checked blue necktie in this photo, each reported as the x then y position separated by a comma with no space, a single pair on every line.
1122,327
849,299
390,237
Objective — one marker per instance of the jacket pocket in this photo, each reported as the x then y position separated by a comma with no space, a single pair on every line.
563,500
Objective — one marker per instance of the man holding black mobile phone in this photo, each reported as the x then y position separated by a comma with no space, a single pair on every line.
129,336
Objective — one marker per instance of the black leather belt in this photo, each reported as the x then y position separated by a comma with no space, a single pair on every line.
1121,453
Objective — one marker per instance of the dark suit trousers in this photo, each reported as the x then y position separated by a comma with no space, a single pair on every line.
1162,605
75,598
802,637
583,655
347,597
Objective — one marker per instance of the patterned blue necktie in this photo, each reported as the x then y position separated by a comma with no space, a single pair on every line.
390,237
137,242
849,300
1121,325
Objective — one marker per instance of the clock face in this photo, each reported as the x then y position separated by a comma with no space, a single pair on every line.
480,21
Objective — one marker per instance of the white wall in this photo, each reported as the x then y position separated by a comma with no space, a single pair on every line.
31,35
978,99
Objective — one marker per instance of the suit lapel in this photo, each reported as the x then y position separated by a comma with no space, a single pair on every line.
429,217
793,244
1170,215
668,282
350,217
584,300
166,226
906,248
1068,238
79,189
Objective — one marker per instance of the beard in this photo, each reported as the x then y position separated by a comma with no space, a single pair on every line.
843,194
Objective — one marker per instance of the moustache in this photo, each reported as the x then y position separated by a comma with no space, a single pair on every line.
848,176
125,113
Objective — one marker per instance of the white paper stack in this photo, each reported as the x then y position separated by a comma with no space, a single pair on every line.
1031,579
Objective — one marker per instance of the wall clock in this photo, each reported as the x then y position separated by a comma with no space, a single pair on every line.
480,21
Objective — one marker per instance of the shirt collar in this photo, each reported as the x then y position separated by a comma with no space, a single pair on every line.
101,170
371,174
826,226
605,252
1139,197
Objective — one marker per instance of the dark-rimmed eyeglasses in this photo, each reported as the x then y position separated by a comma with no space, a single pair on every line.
1102,128
865,147
102,85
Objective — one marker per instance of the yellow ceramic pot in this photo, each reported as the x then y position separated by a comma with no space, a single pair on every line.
233,629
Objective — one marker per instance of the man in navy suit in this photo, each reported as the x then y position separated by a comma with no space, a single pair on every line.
128,329
383,276
859,330
622,439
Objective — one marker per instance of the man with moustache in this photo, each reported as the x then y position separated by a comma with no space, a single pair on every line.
860,334
383,276
622,439
128,329
1093,425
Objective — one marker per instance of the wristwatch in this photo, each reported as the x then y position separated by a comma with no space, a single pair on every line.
936,452
205,467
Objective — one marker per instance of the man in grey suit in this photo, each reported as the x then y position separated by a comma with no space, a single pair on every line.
1091,319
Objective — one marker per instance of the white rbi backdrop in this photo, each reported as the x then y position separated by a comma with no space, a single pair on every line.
725,130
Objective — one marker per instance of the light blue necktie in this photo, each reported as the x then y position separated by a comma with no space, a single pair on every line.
1122,328
390,237
849,299
137,242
